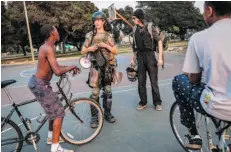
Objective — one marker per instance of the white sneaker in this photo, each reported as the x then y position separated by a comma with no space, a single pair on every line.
49,140
60,149
194,142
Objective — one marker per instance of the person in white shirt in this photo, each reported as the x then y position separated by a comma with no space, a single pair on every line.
209,51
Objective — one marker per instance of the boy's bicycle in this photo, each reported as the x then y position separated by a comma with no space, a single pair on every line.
12,137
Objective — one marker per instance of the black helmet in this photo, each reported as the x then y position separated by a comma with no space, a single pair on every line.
132,73
98,15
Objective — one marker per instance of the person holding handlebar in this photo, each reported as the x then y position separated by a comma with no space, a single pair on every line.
39,84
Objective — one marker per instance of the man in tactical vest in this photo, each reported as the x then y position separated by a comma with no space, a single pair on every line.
144,52
100,44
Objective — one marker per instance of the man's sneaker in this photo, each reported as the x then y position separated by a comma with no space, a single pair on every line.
60,149
158,108
49,140
140,107
194,143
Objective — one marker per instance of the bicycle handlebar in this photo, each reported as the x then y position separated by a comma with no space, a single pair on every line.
64,75
61,78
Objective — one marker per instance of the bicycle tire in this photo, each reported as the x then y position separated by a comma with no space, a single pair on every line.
98,130
18,131
174,105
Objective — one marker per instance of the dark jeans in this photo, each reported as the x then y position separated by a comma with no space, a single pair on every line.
148,63
188,98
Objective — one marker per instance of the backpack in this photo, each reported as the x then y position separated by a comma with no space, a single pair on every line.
150,27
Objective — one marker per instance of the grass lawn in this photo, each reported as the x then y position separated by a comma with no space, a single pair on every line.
121,48
180,43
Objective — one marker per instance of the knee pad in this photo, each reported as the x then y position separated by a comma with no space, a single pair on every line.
95,93
108,89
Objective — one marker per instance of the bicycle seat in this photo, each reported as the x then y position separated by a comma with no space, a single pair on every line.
7,82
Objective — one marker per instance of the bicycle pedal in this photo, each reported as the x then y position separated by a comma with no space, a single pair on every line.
39,120
28,120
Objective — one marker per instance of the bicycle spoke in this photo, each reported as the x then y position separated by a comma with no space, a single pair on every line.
81,132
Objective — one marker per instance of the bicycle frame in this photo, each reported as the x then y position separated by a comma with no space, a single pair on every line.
219,132
24,121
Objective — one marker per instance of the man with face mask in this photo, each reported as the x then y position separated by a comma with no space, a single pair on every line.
100,44
209,51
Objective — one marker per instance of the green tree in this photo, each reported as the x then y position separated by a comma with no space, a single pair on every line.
74,16
105,10
181,14
5,25
8,31
127,14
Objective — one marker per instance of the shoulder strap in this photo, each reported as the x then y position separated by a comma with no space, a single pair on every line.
150,24
106,36
149,27
134,39
92,37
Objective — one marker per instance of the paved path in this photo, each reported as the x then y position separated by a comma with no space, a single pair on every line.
147,131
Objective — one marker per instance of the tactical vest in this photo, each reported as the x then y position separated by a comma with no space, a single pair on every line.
150,27
102,52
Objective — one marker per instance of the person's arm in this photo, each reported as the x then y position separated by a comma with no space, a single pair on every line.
112,46
134,53
191,64
133,58
157,35
160,54
62,66
159,38
195,78
84,50
54,64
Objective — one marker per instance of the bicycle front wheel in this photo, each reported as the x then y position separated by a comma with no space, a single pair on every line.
80,132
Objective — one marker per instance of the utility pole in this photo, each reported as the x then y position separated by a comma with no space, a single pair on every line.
28,29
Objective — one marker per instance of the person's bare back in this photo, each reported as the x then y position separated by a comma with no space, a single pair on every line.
44,70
